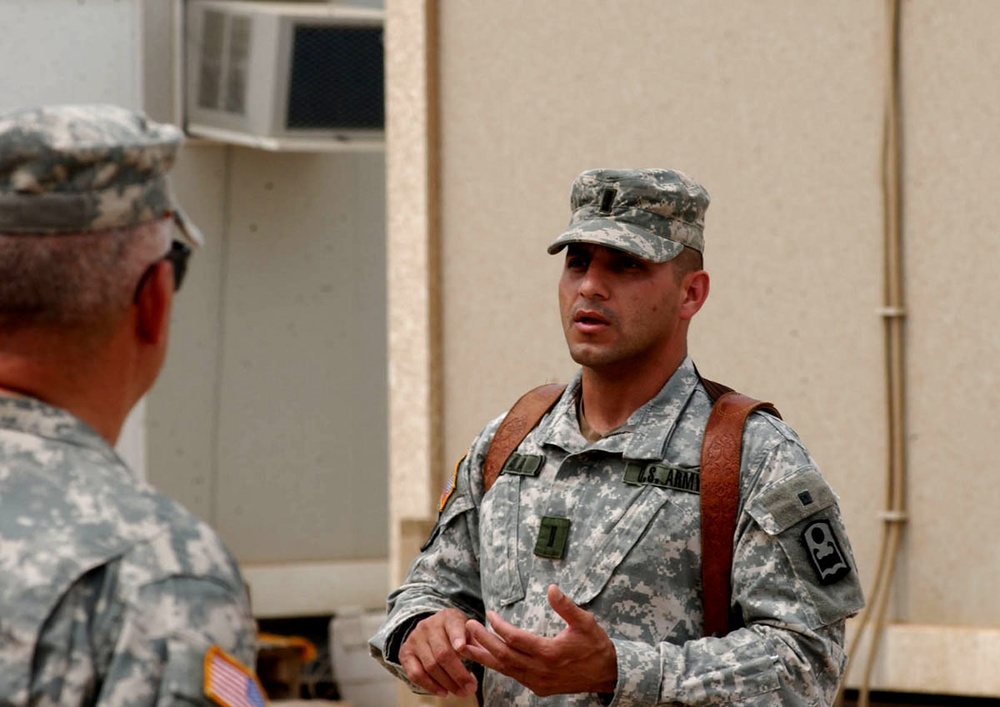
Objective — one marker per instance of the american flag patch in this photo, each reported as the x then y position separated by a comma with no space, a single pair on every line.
449,487
228,683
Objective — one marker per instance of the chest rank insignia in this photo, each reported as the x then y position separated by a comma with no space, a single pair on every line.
524,464
552,537
824,551
666,477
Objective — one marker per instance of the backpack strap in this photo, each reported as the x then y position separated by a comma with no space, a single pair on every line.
520,420
721,451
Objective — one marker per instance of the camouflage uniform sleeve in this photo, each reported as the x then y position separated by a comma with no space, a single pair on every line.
164,630
795,583
446,572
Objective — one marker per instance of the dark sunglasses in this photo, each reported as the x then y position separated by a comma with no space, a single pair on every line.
178,256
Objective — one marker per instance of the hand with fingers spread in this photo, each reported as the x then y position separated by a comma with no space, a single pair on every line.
581,658
431,655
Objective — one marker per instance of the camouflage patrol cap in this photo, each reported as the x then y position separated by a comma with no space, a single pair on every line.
70,169
650,213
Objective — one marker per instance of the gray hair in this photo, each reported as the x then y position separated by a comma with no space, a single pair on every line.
75,279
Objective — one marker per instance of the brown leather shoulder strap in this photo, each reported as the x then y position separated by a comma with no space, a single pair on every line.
715,390
520,420
720,492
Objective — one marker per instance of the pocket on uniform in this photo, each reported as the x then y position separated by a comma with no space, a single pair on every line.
184,672
196,670
616,546
786,502
801,513
456,507
498,542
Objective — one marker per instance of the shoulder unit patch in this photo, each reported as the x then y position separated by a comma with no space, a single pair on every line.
823,549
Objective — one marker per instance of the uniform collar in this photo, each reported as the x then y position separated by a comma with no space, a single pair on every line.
39,419
644,434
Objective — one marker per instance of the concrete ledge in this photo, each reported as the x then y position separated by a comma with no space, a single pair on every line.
913,658
929,659
316,588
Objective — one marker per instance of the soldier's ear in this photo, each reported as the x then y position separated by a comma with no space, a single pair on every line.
153,302
694,292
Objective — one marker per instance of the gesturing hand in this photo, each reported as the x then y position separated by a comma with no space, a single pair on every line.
581,658
430,655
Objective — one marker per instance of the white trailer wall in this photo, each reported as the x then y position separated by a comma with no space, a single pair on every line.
269,419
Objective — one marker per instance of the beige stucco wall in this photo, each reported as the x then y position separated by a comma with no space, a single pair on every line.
953,107
776,106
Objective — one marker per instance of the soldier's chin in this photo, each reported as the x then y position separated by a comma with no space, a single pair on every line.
591,356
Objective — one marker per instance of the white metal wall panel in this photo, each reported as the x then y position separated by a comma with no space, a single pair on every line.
70,51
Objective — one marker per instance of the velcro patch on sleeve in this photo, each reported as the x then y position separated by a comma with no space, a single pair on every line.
791,500
800,513
229,683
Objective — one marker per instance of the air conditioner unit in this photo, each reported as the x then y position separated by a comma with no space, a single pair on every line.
282,75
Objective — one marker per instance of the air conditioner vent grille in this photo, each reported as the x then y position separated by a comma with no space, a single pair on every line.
224,62
213,39
239,60
329,63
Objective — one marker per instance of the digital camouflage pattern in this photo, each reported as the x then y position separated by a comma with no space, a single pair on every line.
70,169
651,213
632,557
110,593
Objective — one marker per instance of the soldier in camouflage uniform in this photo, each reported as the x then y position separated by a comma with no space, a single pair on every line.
110,593
584,559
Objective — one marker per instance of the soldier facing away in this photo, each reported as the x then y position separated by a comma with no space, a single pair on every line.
575,579
110,593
